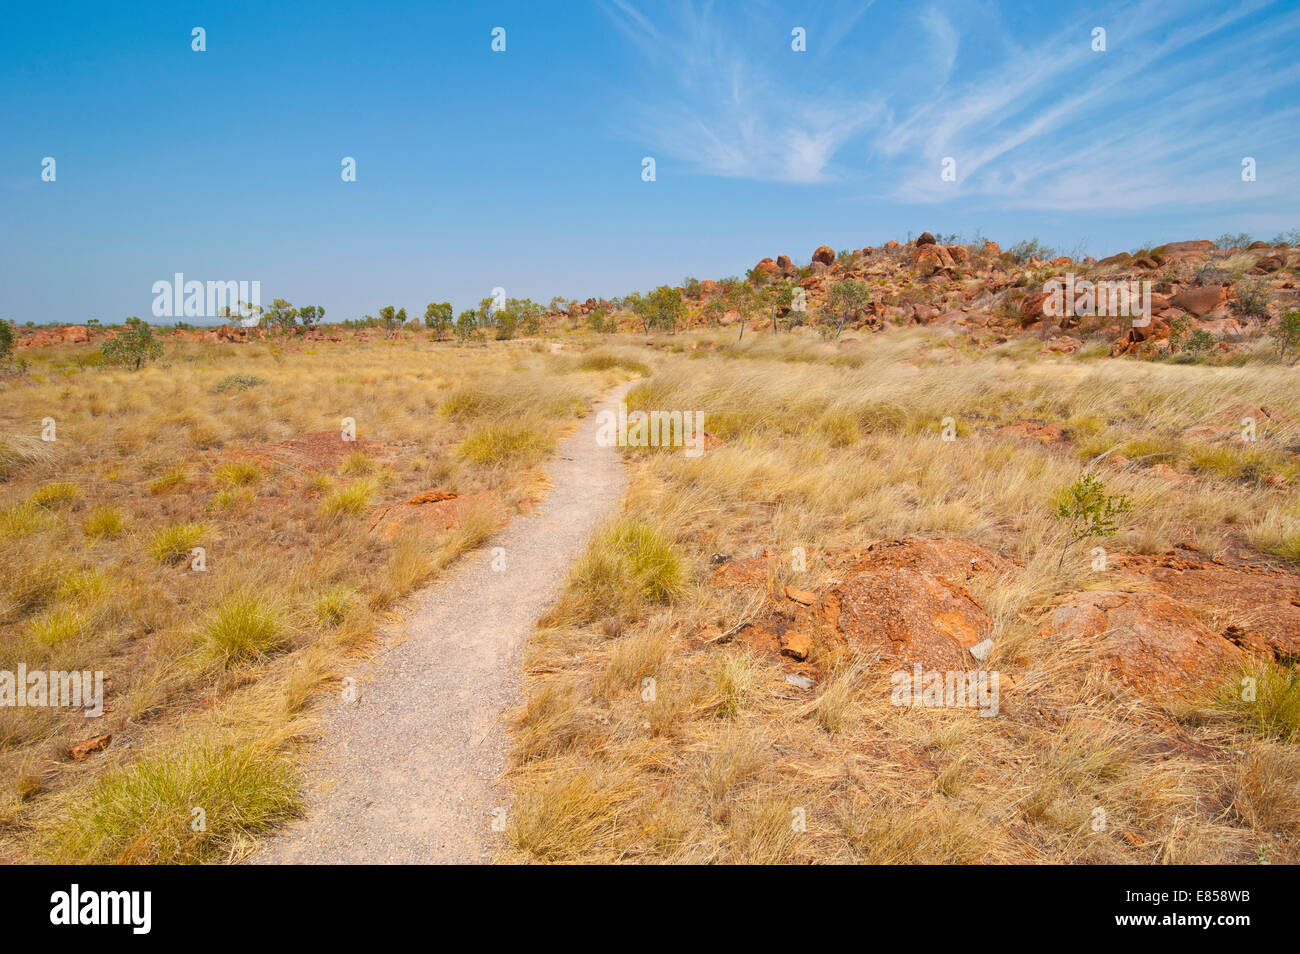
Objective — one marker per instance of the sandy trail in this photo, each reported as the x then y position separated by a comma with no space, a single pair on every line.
409,773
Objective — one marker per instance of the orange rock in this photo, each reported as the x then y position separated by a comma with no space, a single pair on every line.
956,561
439,517
741,574
1147,639
1255,607
313,450
1046,433
911,616
929,257
806,597
796,645
50,337
1199,301
431,496
80,751
903,599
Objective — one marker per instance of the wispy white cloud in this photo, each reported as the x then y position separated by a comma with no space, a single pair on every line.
943,42
715,97
1033,117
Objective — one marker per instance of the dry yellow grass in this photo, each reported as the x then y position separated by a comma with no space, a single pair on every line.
218,580
663,750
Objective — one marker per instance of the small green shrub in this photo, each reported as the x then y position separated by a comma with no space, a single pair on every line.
134,345
1088,511
238,382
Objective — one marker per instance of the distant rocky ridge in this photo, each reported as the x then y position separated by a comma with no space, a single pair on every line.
1197,291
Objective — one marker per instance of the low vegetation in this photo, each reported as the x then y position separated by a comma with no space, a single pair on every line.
202,534
650,732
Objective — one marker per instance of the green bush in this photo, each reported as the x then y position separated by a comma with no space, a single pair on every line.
133,346
237,382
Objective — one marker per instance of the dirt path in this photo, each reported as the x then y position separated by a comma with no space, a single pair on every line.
408,773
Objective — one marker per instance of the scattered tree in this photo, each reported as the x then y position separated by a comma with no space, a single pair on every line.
746,299
666,302
466,323
281,314
437,318
598,320
781,297
714,310
846,302
391,319
1287,337
1252,299
1023,251
134,345
1233,240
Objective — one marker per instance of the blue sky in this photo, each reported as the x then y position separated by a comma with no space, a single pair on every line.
522,169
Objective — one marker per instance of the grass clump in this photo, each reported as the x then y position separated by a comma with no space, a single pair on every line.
238,473
55,494
358,464
172,543
147,812
517,443
16,452
1264,699
168,481
569,816
232,497
24,520
627,565
332,607
103,523
351,500
86,584
56,628
609,360
244,626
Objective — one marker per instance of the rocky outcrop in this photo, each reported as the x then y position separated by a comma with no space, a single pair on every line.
905,601
51,337
1147,640
1251,605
